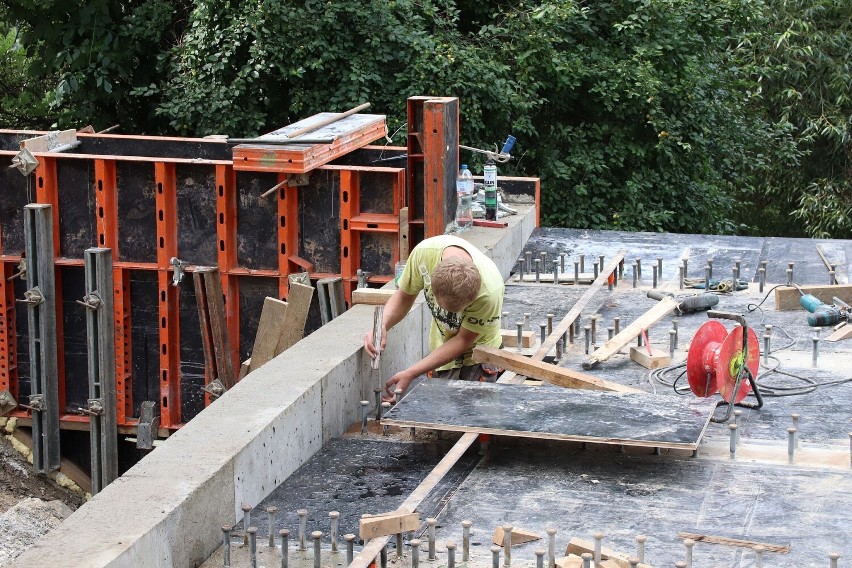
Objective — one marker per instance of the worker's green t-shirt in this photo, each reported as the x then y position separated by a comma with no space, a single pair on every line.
482,316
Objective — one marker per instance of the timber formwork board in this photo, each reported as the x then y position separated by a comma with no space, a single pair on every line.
634,419
180,198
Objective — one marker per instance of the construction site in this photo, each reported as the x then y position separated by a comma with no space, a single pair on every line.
182,335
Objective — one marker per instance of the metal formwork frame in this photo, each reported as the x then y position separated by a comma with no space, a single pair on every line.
108,179
41,319
100,341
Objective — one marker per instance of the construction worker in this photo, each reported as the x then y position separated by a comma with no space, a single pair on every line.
464,292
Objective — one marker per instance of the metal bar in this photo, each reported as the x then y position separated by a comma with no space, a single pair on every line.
41,318
8,339
168,306
226,232
100,339
350,240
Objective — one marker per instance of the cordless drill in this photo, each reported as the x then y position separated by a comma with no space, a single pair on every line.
822,314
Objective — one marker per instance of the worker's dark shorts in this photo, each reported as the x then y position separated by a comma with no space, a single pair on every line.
480,372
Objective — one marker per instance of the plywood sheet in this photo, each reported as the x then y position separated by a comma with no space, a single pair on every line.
635,419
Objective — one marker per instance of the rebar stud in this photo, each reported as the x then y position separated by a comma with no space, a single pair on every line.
551,547
507,545
556,272
833,557
588,330
688,543
415,552
759,549
334,517
495,556
252,534
587,559
795,418
271,510
791,445
576,273
527,321
653,277
598,536
466,540
451,554
616,323
317,536
640,547
246,522
285,547
542,330
350,547
520,270
539,558
815,340
303,527
226,544
733,440
538,271
365,410
431,522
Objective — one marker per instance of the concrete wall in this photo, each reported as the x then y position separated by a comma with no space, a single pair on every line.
167,510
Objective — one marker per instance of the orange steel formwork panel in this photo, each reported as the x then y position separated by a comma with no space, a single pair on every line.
348,134
149,199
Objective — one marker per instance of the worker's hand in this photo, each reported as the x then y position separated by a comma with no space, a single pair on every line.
371,349
399,381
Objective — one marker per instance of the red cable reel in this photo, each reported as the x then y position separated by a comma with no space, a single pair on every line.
715,359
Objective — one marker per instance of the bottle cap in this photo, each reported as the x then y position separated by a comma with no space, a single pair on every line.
464,166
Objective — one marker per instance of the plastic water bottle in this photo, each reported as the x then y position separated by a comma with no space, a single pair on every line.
490,183
464,209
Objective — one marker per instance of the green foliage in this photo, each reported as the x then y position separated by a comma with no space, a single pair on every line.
102,50
799,51
660,115
22,102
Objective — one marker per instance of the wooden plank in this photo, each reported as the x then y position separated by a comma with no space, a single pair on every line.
510,338
298,303
657,359
787,298
841,333
269,331
519,536
577,546
372,549
371,296
404,241
710,539
373,526
566,322
50,142
545,412
663,308
552,374
570,561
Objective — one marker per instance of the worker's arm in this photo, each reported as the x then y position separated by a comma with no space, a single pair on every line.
395,309
454,348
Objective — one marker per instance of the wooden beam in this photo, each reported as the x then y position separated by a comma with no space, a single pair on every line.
298,304
404,246
578,546
510,338
371,296
657,359
552,374
782,548
269,330
372,549
841,333
663,308
562,328
519,536
787,298
50,142
395,522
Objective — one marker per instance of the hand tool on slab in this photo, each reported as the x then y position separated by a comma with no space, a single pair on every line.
822,314
688,303
723,362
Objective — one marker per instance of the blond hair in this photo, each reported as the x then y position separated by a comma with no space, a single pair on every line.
455,283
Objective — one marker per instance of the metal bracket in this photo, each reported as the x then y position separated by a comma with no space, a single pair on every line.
215,389
37,403
91,301
331,299
22,271
149,423
95,407
178,266
298,180
33,297
25,162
